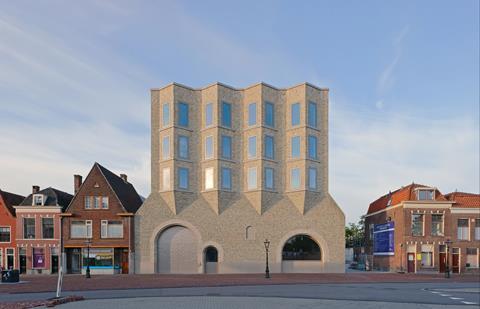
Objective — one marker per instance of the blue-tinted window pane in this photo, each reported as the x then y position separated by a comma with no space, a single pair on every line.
209,147
252,146
226,178
252,114
183,147
183,114
295,111
226,147
183,178
166,147
312,147
312,114
226,114
269,147
269,115
295,178
166,114
208,114
252,178
269,184
312,178
295,146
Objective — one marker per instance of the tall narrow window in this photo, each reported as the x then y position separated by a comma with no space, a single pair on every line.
477,229
437,225
88,202
417,224
269,180
312,178
88,224
295,178
269,147
312,147
209,147
312,114
183,114
252,114
104,202
209,178
97,200
208,114
166,114
252,178
295,114
472,258
183,178
462,229
226,178
269,115
226,147
252,147
166,147
295,145
226,114
183,151
166,178
47,228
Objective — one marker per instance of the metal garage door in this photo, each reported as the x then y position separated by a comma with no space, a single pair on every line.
177,251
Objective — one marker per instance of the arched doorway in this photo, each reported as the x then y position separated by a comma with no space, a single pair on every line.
301,253
177,251
211,260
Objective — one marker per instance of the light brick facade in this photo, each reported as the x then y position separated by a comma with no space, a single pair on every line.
236,221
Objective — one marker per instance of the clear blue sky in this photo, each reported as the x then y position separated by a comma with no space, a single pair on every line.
403,78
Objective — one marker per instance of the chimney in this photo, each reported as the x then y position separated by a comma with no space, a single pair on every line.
124,177
77,182
35,189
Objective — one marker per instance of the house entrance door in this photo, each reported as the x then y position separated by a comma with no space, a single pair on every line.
411,262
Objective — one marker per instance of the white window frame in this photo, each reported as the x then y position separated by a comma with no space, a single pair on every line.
468,230
103,199
42,198
209,178
10,234
89,229
89,199
104,230
41,223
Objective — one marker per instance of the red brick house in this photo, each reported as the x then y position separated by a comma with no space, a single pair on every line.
38,231
8,244
99,222
409,229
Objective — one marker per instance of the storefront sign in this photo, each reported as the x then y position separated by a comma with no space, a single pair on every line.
38,258
384,241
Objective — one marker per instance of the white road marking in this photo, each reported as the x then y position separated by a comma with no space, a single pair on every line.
455,298
447,295
468,303
435,292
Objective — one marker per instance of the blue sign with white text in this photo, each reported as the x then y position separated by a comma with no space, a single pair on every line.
383,239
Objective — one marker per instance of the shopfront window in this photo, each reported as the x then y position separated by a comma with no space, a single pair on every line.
98,257
472,258
38,258
427,255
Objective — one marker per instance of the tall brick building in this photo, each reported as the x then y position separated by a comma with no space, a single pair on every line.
98,224
231,168
410,229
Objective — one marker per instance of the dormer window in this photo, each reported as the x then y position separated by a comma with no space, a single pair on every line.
425,194
38,200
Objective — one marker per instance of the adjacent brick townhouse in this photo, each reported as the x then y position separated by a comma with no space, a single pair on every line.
409,229
8,250
38,230
99,221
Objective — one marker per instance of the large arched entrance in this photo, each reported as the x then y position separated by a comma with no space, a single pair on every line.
301,253
211,260
177,251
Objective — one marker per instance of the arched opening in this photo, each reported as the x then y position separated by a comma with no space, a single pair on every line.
177,251
301,248
211,260
301,254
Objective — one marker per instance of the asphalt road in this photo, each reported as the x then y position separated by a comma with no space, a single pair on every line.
465,294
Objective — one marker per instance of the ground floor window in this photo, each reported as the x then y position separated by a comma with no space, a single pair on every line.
98,257
301,247
472,258
38,258
427,255
1,259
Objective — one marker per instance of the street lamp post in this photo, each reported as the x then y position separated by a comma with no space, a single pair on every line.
87,272
267,270
448,242
401,258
